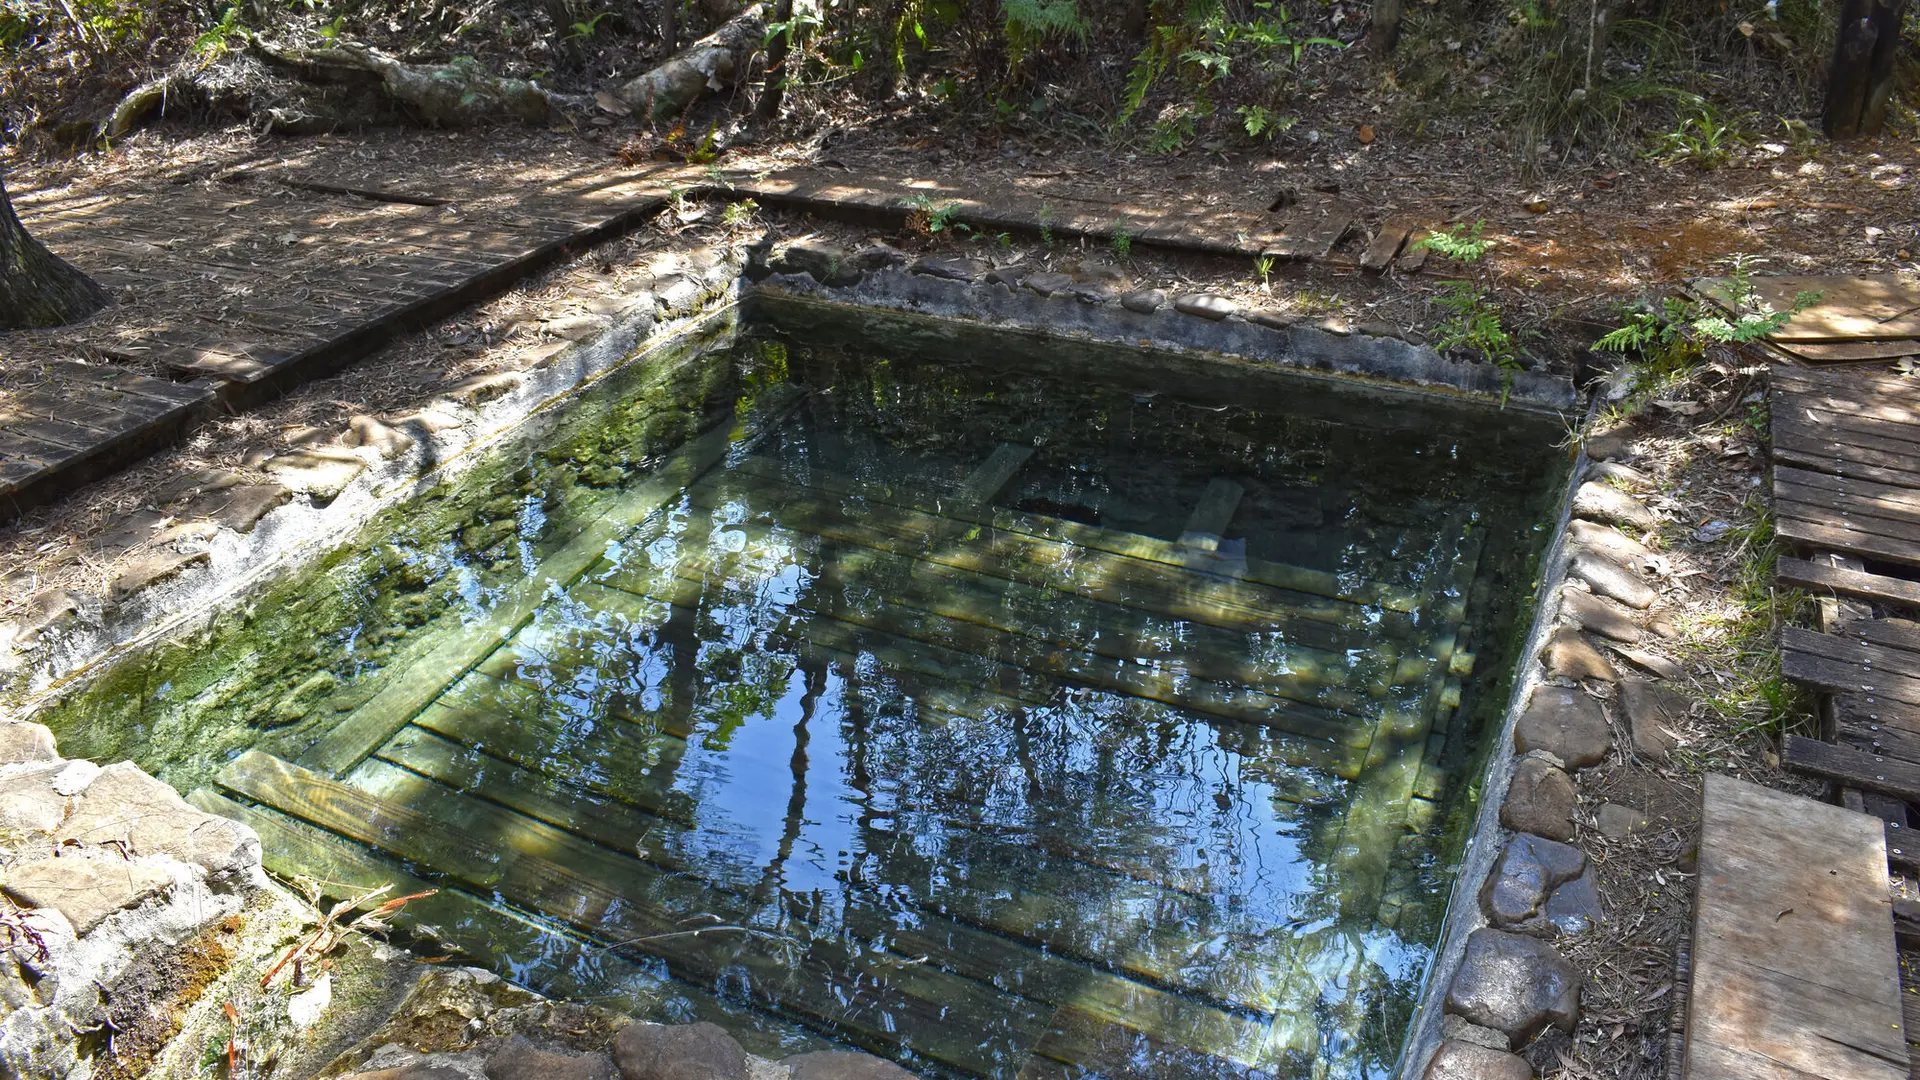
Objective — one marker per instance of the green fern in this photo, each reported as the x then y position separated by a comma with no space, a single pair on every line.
1032,23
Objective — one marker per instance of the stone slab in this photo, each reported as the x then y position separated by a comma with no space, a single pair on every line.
1795,973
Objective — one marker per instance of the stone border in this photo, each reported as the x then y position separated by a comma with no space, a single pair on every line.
1092,309
235,534
1504,982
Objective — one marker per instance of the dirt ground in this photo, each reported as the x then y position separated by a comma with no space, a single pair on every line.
1568,246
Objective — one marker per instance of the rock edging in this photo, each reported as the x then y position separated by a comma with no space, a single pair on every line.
1512,983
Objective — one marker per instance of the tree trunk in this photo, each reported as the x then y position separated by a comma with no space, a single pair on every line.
707,64
1383,30
37,287
768,107
1861,79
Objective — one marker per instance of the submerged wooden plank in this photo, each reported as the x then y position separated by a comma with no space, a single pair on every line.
1802,574
1094,538
1156,585
406,693
1794,970
492,935
1211,516
956,1022
967,924
993,474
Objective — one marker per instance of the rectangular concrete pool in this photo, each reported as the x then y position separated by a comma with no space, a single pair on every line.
1010,710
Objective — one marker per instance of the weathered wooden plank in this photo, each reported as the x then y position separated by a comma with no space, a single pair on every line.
1794,970
869,996
1211,516
1386,243
1848,667
1802,574
407,693
1312,229
1893,501
993,474
1851,306
1803,526
969,924
1094,538
1855,768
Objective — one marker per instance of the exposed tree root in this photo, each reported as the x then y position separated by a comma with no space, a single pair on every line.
710,64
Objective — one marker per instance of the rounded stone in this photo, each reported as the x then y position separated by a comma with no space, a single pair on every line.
700,1051
23,743
843,1065
1205,306
1525,875
1568,655
1469,1061
951,269
1049,283
1514,983
1608,578
519,1059
1144,301
1539,801
1615,821
1567,723
1621,475
1595,615
1604,502
1607,540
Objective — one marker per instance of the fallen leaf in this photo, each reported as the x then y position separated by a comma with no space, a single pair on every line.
609,103
1366,134
1683,408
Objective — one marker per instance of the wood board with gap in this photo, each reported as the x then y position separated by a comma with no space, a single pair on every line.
1851,307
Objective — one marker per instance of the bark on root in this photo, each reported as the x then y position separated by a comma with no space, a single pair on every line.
456,94
37,287
710,64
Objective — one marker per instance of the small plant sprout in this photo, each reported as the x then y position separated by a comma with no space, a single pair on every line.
932,218
740,214
1045,217
1674,333
1122,241
584,30
1263,269
1262,123
1462,243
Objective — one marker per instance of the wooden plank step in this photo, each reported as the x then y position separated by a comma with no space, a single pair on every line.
953,1021
1167,553
528,949
1817,577
1814,528
1078,925
1794,969
405,694
1895,502
1855,768
1849,667
1853,461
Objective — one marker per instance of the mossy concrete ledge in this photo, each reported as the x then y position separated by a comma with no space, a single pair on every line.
788,298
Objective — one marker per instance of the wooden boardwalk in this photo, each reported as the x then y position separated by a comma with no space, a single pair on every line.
1847,494
245,286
